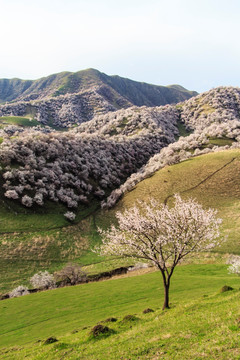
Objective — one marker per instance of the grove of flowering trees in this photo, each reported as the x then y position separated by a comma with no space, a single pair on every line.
162,235
110,153
218,105
187,147
71,167
64,110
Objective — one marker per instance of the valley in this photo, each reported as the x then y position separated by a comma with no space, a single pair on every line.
76,148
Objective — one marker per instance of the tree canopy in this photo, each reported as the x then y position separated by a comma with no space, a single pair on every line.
162,234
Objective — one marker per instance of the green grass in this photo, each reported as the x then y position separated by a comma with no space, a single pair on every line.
212,179
182,129
207,109
18,120
43,239
202,323
14,217
221,142
27,121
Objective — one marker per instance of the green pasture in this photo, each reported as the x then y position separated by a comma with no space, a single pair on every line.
18,120
201,319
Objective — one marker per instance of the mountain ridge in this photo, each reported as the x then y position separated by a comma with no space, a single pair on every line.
16,89
73,82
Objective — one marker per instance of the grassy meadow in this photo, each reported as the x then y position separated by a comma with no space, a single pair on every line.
18,120
201,323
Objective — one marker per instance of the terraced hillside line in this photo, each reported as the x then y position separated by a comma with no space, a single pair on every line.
201,182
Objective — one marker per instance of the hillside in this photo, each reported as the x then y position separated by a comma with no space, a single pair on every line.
215,106
113,161
41,240
202,322
67,99
137,93
46,174
200,131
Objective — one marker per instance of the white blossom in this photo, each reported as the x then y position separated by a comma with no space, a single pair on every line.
19,291
70,215
162,235
234,267
43,280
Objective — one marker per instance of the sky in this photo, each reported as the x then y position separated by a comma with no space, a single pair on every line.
191,43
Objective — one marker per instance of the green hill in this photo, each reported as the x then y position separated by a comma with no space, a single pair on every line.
68,82
212,179
202,322
67,99
29,245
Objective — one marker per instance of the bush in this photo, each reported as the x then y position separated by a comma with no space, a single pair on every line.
111,319
19,291
43,280
71,274
70,215
234,267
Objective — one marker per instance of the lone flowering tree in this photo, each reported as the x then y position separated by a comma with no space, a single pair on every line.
162,234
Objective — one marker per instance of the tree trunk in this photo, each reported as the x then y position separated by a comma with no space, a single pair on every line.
166,283
166,296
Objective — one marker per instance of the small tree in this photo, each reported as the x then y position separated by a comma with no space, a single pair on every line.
234,267
19,291
70,215
71,274
162,235
43,280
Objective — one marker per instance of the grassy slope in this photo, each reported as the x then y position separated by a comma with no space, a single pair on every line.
27,121
42,247
207,327
43,240
213,179
202,323
17,120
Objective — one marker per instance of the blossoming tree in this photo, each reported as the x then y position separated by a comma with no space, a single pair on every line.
162,234
234,267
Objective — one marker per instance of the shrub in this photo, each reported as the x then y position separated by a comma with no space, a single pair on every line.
19,291
70,215
43,280
111,319
71,274
234,267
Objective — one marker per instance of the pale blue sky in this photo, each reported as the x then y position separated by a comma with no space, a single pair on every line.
192,43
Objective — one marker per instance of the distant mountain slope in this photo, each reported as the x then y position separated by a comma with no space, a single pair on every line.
138,93
66,99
